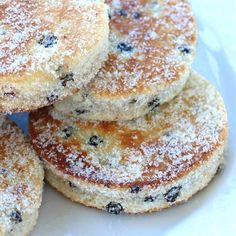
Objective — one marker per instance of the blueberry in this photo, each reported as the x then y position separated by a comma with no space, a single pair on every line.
133,101
185,49
9,94
150,199
122,13
153,104
67,131
52,98
81,111
95,141
16,216
3,171
136,15
107,185
124,47
66,78
71,185
172,194
114,208
48,40
135,189
168,133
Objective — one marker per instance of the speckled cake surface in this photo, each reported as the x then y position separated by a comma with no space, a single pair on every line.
21,181
42,47
154,149
152,46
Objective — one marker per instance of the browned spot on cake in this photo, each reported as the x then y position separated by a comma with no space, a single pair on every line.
131,139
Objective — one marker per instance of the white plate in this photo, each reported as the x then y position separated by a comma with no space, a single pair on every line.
211,212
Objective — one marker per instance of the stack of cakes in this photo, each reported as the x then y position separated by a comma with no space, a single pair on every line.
48,49
146,132
129,126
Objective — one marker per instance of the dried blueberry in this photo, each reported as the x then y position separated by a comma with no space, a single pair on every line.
185,49
48,40
172,194
8,91
135,189
114,208
3,171
168,133
153,104
95,141
107,185
66,78
136,15
52,98
150,198
133,101
125,47
81,111
67,131
122,12
10,94
72,185
16,216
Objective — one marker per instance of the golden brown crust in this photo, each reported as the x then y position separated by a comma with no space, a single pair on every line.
157,148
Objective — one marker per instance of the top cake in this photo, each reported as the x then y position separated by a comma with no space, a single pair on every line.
152,46
48,49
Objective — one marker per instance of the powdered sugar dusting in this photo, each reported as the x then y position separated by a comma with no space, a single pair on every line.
42,42
151,149
24,23
20,23
150,34
21,176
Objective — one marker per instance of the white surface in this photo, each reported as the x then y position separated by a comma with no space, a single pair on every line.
211,212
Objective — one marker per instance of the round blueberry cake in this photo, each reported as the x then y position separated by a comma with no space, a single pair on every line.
49,49
152,46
